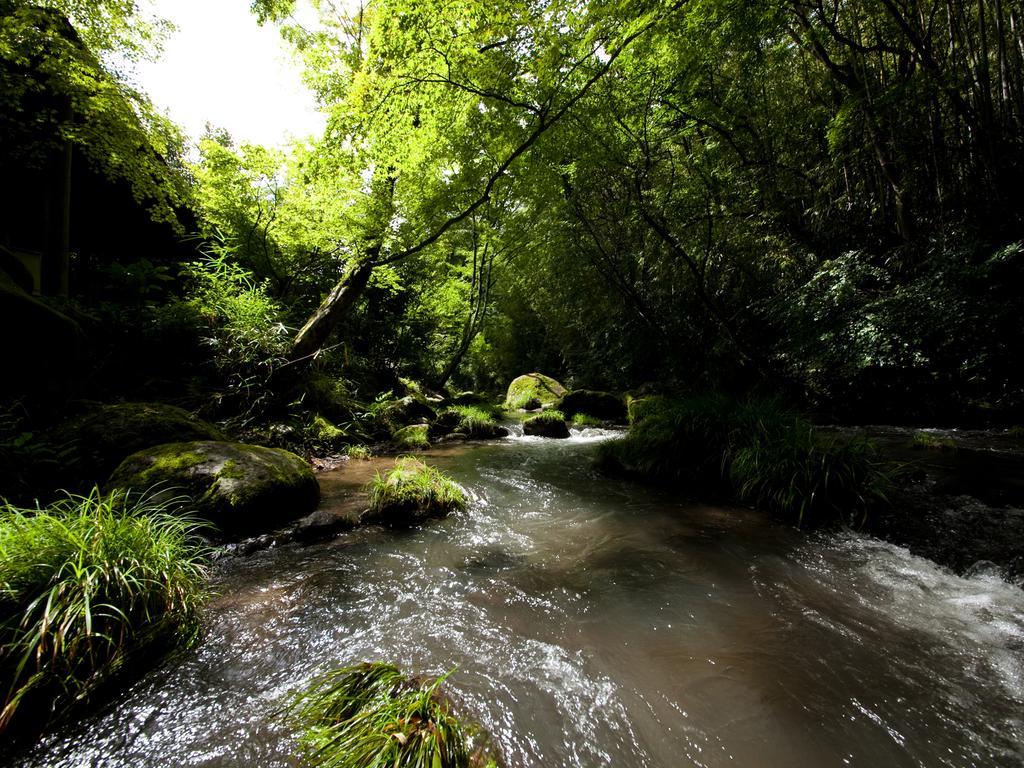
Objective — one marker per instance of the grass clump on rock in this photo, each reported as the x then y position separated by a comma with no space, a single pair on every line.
755,451
931,442
474,422
373,716
546,424
413,491
585,420
87,585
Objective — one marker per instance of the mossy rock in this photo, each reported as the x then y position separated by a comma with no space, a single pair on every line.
101,439
405,411
547,424
639,408
413,437
600,405
411,493
533,386
242,489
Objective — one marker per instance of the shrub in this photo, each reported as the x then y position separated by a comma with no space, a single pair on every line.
413,490
373,716
243,324
756,451
86,585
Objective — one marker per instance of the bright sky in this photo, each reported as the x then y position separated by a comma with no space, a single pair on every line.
222,67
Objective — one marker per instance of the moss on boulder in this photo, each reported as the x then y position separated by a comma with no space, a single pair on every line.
413,437
242,489
533,387
403,411
412,492
547,424
101,439
600,405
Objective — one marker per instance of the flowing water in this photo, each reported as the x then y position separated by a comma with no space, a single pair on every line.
595,622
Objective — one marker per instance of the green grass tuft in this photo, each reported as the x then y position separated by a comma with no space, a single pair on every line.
358,452
373,716
547,417
583,420
929,442
87,584
472,421
414,489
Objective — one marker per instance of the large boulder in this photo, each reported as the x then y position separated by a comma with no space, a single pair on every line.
600,405
532,388
101,439
242,489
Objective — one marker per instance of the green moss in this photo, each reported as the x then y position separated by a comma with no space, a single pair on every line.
928,441
583,420
241,488
413,490
413,437
323,429
167,461
639,408
533,386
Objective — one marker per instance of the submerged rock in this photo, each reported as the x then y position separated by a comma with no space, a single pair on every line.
240,488
600,405
101,439
533,388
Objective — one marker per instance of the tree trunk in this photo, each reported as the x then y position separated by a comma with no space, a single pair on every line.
339,301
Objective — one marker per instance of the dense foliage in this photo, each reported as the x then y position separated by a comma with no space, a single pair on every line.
811,200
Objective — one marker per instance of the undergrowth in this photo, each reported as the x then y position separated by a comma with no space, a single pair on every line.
758,452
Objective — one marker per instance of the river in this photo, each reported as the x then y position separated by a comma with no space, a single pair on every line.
595,622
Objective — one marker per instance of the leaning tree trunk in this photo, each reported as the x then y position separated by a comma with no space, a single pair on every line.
313,335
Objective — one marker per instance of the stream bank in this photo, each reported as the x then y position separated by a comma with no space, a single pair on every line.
594,621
